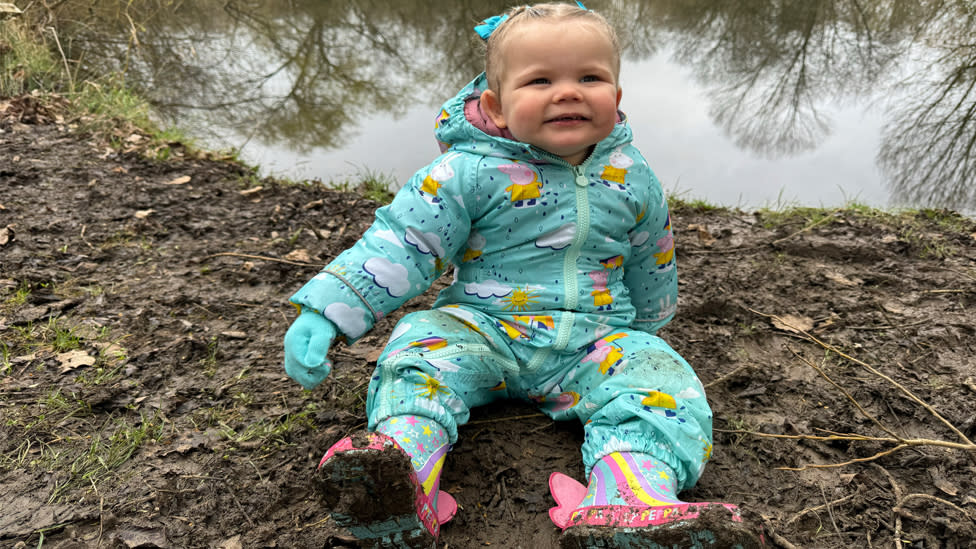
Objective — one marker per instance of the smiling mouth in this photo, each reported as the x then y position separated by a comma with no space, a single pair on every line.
568,118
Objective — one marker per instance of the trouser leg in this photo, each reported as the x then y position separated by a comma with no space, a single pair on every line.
633,393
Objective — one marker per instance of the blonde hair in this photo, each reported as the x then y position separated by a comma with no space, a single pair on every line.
552,11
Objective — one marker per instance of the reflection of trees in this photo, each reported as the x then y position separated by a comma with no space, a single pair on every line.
300,78
929,148
770,67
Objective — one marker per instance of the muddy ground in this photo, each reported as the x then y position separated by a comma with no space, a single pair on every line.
144,403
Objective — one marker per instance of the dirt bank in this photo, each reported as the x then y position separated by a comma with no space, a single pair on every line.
142,308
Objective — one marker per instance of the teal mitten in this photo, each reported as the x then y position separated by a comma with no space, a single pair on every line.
306,346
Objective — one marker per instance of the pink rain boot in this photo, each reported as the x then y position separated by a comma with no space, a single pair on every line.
678,526
370,487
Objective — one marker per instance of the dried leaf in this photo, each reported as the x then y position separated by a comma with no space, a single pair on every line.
704,236
72,360
7,9
231,543
946,486
300,255
6,235
185,442
940,481
841,279
134,536
179,180
110,349
142,214
895,308
793,323
252,190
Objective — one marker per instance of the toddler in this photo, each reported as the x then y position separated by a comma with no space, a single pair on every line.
564,270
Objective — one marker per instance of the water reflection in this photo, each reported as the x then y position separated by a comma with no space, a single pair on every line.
303,75
929,148
770,67
300,75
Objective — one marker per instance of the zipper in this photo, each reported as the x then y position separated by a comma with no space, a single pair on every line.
572,254
571,284
582,230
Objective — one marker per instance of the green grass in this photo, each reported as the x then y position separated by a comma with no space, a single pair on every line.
102,456
32,61
271,433
698,205
26,60
209,362
5,363
371,184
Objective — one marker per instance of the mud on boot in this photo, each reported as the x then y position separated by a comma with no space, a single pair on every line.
678,526
370,488
691,526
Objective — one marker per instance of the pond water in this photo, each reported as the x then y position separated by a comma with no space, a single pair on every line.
743,103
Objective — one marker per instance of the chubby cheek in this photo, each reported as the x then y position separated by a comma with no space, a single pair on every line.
522,117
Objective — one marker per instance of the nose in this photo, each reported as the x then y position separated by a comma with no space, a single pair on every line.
567,91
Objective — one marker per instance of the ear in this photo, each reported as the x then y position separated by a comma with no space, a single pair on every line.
492,106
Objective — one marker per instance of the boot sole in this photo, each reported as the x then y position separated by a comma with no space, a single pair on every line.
714,528
372,491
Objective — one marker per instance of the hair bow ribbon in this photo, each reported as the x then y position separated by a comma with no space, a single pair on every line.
489,25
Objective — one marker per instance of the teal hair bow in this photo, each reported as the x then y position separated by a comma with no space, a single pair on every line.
489,25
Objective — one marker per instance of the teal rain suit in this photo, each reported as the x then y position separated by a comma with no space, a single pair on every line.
562,276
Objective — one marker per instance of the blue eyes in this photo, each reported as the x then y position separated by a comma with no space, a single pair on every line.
543,81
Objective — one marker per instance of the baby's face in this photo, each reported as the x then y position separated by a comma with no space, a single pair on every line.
558,89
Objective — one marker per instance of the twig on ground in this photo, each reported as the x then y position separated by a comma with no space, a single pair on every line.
830,511
897,490
827,505
899,505
847,394
849,462
780,540
261,258
901,331
83,239
825,219
722,378
967,444
240,507
946,291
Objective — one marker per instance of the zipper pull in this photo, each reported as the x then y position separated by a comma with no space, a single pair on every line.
580,176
